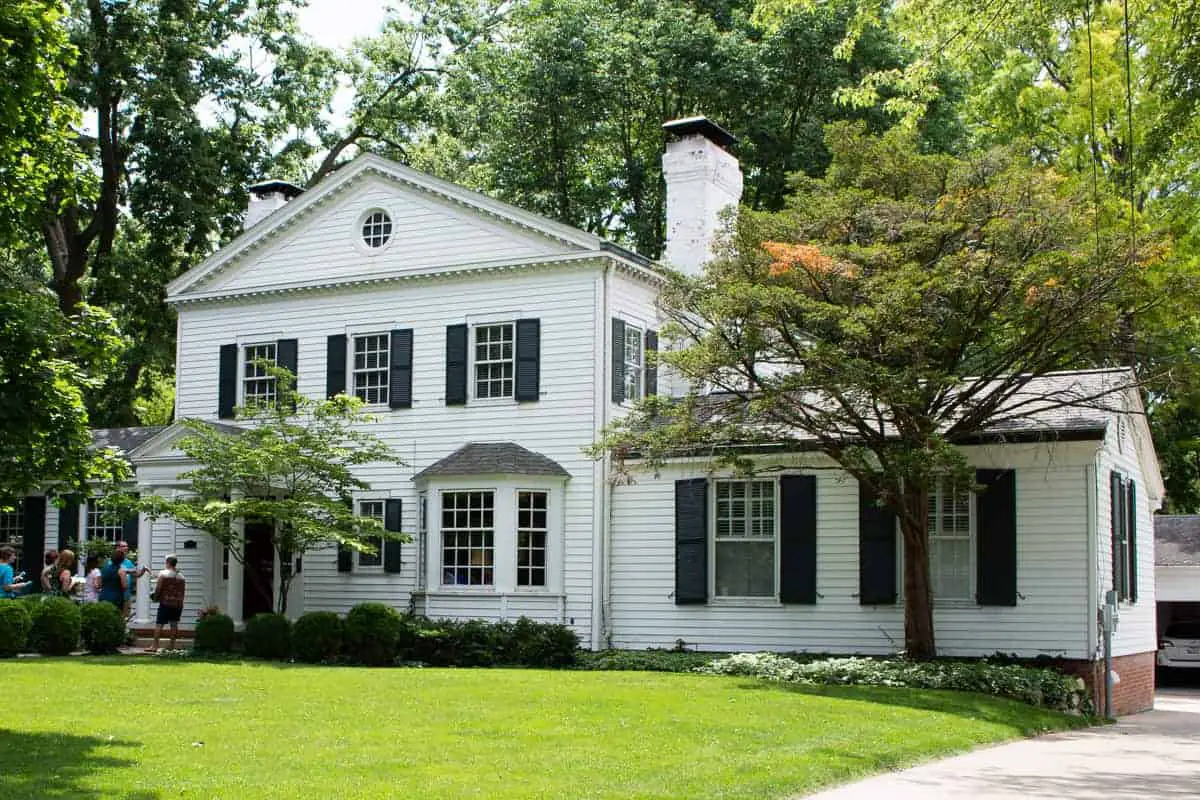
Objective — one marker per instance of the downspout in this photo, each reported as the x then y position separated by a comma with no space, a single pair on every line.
600,491
1095,634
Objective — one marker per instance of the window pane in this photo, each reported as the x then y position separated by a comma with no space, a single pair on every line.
494,361
468,539
950,560
531,539
745,569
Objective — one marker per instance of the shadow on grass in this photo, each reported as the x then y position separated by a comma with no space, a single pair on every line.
54,765
1013,714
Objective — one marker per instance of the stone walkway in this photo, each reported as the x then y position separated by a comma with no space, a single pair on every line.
1148,755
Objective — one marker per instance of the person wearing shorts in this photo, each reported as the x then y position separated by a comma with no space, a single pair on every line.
169,590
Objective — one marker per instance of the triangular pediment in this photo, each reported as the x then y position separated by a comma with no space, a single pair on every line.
165,444
318,238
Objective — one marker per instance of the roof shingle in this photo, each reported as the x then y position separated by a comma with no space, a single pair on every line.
1177,540
493,458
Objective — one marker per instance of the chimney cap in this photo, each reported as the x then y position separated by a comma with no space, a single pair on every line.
288,190
700,126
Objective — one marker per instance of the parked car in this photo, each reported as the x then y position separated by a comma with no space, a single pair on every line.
1180,646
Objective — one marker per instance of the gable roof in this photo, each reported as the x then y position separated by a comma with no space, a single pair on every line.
368,164
125,440
1177,540
164,436
493,458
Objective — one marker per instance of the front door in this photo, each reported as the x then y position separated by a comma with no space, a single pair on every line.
258,579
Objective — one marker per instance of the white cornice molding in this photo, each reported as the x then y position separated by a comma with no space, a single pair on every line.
431,273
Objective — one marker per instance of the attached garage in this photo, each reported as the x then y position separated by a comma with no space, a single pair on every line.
1177,572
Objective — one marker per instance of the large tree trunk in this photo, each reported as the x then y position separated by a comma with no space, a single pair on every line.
918,601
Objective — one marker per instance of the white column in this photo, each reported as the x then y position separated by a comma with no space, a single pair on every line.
145,559
233,588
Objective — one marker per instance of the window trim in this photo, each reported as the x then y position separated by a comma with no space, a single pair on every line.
351,390
971,597
640,370
358,502
472,381
360,241
243,362
742,600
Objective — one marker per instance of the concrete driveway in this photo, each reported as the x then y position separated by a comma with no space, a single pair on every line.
1153,754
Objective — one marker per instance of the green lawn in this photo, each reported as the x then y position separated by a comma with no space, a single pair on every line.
139,728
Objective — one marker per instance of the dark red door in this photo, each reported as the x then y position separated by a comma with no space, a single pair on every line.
259,575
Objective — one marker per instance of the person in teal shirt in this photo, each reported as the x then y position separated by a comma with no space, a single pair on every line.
9,585
132,573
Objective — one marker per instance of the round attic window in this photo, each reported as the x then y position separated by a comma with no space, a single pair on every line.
376,229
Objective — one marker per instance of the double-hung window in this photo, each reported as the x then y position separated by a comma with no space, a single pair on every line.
258,385
494,360
744,539
12,527
372,354
950,542
531,539
468,538
634,362
100,525
374,510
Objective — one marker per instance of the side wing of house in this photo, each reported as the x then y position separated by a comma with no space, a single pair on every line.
794,559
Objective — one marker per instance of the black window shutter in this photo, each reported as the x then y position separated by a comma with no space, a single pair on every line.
529,347
876,551
618,361
456,365
996,538
691,541
651,363
400,369
335,365
345,561
1117,513
798,539
227,374
129,531
33,535
68,523
287,356
391,547
1131,539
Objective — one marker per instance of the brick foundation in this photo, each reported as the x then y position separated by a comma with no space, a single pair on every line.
1133,693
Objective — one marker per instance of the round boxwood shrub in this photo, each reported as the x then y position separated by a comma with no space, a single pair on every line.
371,633
317,637
214,633
102,627
15,623
56,624
268,636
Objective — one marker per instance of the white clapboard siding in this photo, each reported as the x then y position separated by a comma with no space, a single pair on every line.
559,425
495,607
1051,575
427,232
1136,626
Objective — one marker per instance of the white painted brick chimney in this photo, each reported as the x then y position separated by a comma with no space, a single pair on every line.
265,198
703,179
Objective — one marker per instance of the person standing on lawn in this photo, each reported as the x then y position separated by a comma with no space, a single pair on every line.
48,561
132,573
10,587
91,588
63,573
114,581
169,589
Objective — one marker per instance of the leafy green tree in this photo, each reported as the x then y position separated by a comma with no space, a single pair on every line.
854,318
47,360
292,462
561,111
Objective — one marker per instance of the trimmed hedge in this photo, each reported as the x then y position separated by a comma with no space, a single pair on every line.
214,633
56,626
1035,686
646,660
15,623
102,627
317,637
476,643
268,636
372,631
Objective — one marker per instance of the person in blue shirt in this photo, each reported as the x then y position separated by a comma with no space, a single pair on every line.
9,585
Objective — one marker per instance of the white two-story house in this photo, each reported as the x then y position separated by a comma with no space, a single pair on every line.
493,345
